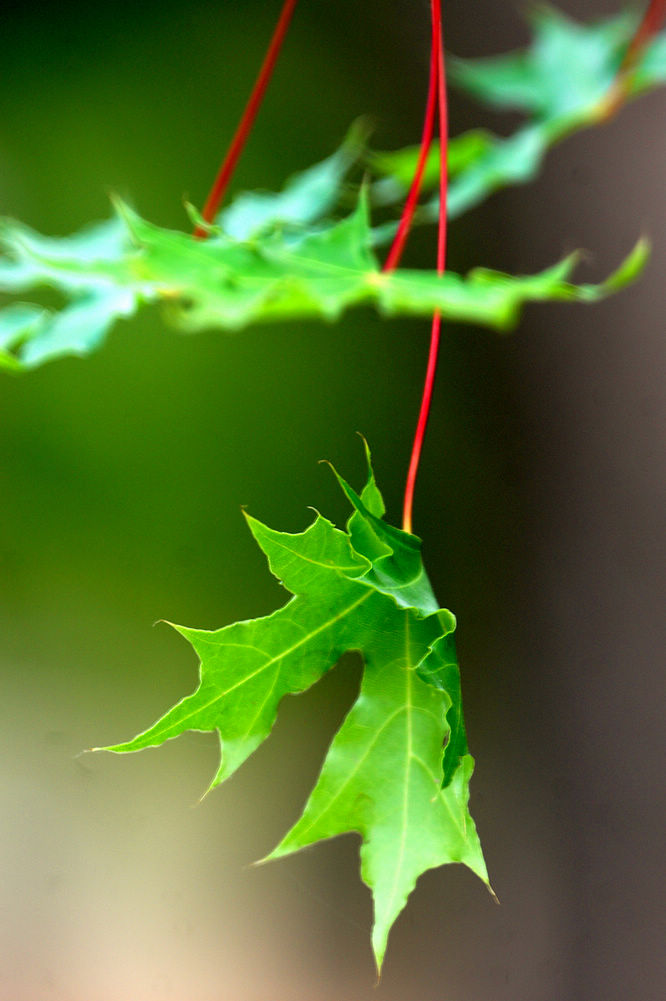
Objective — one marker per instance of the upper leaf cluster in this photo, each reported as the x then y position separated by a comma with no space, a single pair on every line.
290,255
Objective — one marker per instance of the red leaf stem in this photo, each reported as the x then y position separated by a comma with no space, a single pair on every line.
647,29
440,75
244,128
398,245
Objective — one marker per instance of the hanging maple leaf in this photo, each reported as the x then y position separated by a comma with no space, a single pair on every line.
398,770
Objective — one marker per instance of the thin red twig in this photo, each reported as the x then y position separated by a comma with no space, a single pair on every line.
244,128
398,245
438,48
647,29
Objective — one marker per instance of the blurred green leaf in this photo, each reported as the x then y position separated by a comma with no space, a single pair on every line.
564,74
463,151
109,271
309,196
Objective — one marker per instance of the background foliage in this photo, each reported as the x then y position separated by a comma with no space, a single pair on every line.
121,479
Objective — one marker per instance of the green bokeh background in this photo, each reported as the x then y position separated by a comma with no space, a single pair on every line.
121,480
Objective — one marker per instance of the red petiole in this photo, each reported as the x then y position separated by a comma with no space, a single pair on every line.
439,77
647,29
244,128
398,245
437,99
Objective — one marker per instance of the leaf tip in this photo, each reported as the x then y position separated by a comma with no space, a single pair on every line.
366,449
198,221
379,943
249,519
262,861
341,481
277,853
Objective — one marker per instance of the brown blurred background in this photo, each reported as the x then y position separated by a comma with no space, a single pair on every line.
541,503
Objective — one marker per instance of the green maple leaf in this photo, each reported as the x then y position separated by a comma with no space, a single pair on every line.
398,770
561,82
283,272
